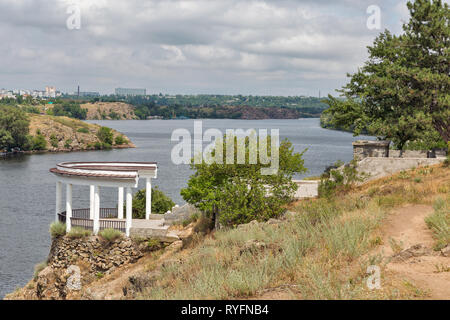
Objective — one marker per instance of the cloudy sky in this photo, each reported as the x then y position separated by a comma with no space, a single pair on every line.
271,47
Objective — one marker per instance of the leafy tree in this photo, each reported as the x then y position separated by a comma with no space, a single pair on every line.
402,91
105,135
161,203
239,193
14,128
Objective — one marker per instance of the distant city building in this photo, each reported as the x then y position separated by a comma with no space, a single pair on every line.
50,92
130,92
88,94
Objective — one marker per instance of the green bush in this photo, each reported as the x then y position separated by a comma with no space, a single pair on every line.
54,141
333,180
78,233
160,203
67,143
110,234
57,229
105,135
120,140
83,130
39,142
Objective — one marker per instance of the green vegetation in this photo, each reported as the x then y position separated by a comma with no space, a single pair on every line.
110,234
83,130
160,203
78,233
439,223
239,191
120,140
38,268
14,129
105,135
68,109
54,141
401,93
39,142
57,229
334,181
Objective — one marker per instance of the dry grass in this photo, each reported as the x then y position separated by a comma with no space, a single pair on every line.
322,252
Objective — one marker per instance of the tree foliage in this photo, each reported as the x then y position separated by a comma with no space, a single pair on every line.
161,203
402,91
239,193
13,128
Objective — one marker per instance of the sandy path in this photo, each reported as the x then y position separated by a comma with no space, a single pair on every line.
417,265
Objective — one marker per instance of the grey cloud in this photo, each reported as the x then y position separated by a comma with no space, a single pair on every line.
214,46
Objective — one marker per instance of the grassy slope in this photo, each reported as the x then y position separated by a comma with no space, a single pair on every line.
322,252
67,132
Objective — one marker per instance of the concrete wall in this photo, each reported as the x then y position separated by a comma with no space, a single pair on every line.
306,189
365,148
380,167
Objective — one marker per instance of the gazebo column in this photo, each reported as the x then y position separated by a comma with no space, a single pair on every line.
148,199
120,204
96,226
68,207
58,199
129,211
91,202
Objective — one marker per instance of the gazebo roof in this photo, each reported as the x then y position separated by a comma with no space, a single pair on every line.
114,170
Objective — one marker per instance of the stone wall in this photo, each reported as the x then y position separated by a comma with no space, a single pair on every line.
380,167
380,149
364,149
98,254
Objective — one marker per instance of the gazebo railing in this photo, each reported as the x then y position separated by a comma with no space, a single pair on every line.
80,218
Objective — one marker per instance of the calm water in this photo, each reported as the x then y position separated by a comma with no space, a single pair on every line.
27,189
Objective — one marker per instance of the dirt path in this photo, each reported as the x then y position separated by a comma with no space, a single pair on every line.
408,241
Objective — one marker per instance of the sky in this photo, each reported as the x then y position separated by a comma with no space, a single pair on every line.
271,47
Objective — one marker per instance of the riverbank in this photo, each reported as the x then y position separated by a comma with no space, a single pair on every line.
324,251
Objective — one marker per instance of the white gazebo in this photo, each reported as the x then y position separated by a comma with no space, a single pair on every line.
120,175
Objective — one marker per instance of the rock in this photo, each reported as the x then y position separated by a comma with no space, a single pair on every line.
247,225
274,221
253,246
446,251
417,250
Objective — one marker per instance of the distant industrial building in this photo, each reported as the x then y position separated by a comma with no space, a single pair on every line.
130,92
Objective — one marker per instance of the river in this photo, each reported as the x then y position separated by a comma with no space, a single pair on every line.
27,189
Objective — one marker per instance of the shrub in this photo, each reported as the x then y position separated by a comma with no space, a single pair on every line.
83,130
120,140
78,233
335,180
57,229
39,142
38,268
105,135
54,141
110,234
67,143
161,203
439,223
